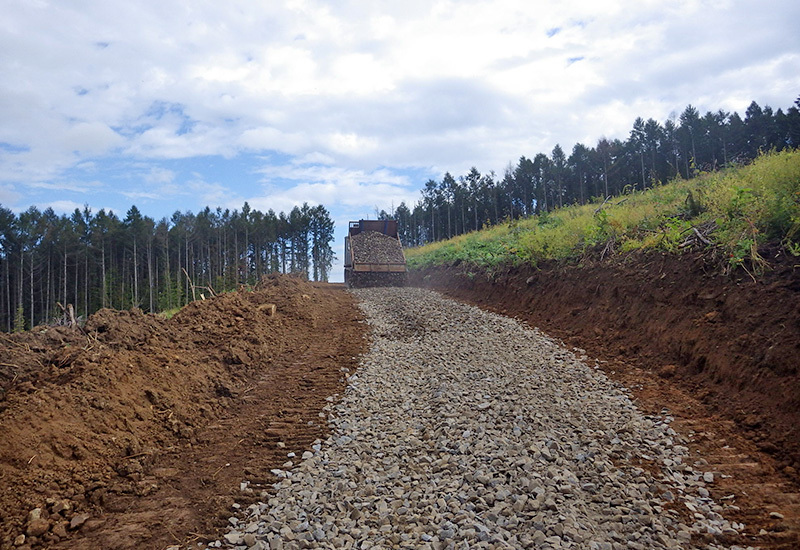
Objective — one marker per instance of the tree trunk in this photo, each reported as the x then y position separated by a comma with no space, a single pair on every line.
77,280
186,262
135,275
46,308
150,272
8,293
167,275
103,267
33,308
643,172
86,283
64,295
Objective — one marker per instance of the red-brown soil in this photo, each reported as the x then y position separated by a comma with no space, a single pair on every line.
721,353
138,432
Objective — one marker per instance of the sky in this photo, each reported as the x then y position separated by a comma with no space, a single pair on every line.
176,105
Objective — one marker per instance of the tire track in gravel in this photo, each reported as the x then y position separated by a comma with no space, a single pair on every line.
465,429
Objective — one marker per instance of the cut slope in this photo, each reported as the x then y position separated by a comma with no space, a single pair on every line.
142,422
719,352
736,342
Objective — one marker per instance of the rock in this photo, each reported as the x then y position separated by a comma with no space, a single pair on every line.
77,521
775,515
60,529
37,527
20,540
234,537
62,506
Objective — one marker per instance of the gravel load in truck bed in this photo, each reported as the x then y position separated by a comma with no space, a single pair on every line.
372,247
465,429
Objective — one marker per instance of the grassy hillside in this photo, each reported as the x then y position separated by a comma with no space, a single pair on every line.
735,210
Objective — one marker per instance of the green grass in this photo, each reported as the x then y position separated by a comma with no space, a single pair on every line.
169,313
737,210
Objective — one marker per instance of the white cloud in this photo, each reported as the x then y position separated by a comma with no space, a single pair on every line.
61,206
314,158
211,193
90,138
87,186
343,97
159,175
266,138
9,195
287,186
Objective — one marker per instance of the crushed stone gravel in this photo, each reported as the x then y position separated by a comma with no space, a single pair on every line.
466,429
372,247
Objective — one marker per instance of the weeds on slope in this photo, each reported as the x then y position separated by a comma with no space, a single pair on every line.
735,210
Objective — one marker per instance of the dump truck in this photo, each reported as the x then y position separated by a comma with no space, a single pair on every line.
373,254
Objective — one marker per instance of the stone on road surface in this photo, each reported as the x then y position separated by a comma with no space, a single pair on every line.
465,429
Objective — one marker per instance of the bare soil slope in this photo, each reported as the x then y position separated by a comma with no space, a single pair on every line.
138,432
721,353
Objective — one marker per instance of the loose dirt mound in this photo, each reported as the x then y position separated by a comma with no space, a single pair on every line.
139,431
720,351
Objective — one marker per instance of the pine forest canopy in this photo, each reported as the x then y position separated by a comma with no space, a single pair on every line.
100,260
652,154
95,261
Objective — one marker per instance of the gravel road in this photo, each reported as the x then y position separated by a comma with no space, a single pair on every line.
465,429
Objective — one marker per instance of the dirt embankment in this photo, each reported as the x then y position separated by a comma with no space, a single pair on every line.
721,353
138,432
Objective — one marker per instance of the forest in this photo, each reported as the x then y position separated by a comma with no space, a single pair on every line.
653,153
95,260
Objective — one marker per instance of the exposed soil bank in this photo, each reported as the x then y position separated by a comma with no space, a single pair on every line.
138,432
683,336
734,342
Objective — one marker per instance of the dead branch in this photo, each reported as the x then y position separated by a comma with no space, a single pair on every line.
701,237
599,208
26,347
69,317
137,455
191,284
200,287
608,248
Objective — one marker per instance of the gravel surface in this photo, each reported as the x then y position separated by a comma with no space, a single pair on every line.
465,429
372,247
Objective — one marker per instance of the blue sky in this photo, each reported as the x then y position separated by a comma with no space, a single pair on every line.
178,105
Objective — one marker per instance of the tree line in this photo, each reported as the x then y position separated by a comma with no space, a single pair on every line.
653,153
92,261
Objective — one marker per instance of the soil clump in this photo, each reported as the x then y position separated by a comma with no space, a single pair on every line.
719,352
137,431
